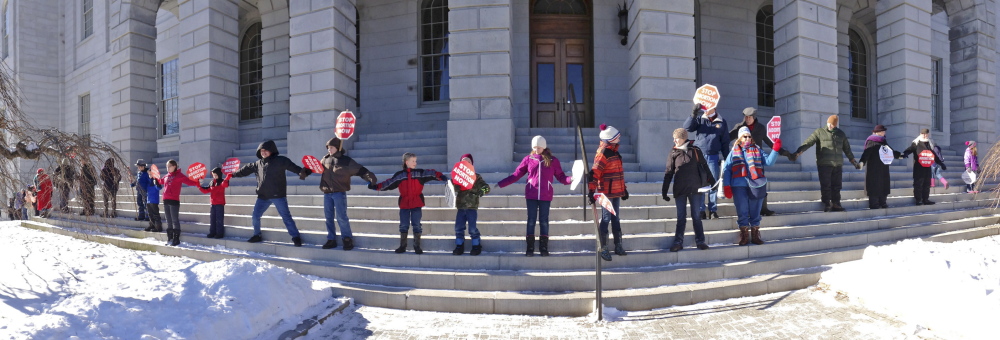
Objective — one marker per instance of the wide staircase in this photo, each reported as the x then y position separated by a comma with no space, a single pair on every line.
800,239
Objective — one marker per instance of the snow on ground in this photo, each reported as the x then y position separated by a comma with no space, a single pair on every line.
951,288
58,287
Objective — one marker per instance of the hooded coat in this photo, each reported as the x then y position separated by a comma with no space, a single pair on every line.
337,171
270,172
44,191
684,164
877,182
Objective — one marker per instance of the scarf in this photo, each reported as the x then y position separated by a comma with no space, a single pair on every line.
683,147
748,153
925,140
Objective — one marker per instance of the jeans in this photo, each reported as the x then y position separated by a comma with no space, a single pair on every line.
24,214
408,217
335,205
936,172
463,217
714,162
831,180
696,200
279,203
607,217
217,217
172,211
538,210
140,200
747,207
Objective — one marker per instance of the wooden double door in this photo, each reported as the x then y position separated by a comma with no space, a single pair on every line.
561,82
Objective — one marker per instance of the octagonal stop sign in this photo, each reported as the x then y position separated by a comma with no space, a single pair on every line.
345,125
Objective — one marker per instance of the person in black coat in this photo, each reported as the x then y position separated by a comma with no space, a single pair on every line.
272,187
88,180
688,166
877,183
922,161
110,176
758,132
64,176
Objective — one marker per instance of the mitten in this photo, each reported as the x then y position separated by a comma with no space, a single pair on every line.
728,191
304,173
373,186
625,198
777,145
696,110
943,167
229,177
666,197
590,197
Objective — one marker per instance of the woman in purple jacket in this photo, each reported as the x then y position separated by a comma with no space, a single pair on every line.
541,167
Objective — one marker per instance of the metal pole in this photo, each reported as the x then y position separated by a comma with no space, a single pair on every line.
597,227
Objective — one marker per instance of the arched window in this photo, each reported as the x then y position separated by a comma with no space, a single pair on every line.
251,74
858,69
765,57
560,7
434,50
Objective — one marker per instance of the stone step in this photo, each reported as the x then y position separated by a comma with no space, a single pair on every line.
402,136
591,141
420,151
397,160
396,144
282,144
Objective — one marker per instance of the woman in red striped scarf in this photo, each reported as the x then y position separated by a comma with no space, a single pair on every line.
743,178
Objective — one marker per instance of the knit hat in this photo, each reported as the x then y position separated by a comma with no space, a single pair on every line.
140,162
970,144
681,133
924,131
538,141
334,142
744,131
469,156
879,128
749,111
833,120
609,132
40,170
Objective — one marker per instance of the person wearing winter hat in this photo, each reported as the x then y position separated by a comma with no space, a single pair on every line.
44,184
140,184
410,182
831,147
877,182
217,213
743,180
687,164
923,147
711,135
608,178
971,163
335,182
759,133
467,203
272,188
542,169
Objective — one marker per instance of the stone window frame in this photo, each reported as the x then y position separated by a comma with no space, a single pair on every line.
764,19
6,27
937,95
250,90
86,19
859,92
163,76
84,108
441,86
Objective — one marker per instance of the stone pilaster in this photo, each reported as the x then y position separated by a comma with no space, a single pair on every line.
133,77
973,71
274,42
662,72
805,59
904,68
480,86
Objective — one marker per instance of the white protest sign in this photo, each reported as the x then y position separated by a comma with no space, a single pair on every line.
578,173
885,154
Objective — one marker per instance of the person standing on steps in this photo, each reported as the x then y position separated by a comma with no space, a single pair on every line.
936,169
410,182
88,180
688,166
217,213
923,147
44,184
971,163
608,178
140,184
272,188
335,182
172,200
65,175
711,135
110,176
759,133
467,203
542,168
877,182
153,206
830,143
743,180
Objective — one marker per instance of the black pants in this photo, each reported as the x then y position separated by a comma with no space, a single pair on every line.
921,188
216,217
87,200
876,202
172,209
831,180
64,197
154,216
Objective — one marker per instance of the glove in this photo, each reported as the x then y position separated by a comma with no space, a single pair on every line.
696,110
793,156
304,173
856,164
777,145
373,186
441,177
229,177
728,191
666,197
625,198
590,197
784,152
943,167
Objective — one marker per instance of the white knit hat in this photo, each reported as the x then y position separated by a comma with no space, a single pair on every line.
744,131
538,141
609,132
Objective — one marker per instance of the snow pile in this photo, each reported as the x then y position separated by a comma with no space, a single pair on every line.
80,289
949,288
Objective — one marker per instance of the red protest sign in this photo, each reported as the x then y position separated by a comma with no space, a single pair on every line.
154,171
196,171
230,166
345,125
926,158
605,203
708,96
312,164
463,175
774,128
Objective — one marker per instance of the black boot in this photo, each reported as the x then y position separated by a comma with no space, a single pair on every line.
619,250
678,245
330,244
416,244
827,207
835,206
348,243
605,255
530,250
459,249
177,238
402,243
297,241
543,245
476,250
170,237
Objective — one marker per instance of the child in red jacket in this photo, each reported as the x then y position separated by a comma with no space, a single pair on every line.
410,182
217,213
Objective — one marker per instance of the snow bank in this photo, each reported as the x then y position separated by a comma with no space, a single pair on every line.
949,288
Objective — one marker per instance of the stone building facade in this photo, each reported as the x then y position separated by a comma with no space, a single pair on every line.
200,77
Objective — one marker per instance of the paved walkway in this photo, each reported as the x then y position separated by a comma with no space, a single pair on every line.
802,314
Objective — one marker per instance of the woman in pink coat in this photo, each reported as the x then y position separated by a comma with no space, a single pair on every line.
541,168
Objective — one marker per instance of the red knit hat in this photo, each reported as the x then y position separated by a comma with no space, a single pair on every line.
469,156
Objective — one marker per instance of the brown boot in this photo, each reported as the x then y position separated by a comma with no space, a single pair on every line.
744,236
755,236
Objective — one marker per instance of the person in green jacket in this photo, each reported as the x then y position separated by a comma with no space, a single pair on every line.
830,142
467,202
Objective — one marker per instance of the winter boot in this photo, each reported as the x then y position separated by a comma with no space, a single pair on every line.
945,183
177,238
744,236
255,239
416,244
348,243
476,250
530,250
459,249
827,207
755,236
932,182
330,244
297,241
543,245
402,243
619,250
702,246
605,255
149,228
678,245
158,227
835,206
170,237
210,235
